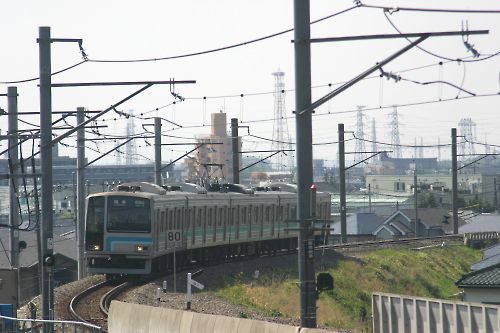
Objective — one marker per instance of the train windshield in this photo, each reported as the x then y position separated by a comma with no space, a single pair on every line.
95,221
128,214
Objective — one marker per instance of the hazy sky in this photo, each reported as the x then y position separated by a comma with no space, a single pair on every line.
151,29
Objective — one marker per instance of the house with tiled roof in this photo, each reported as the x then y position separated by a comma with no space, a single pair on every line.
482,285
401,224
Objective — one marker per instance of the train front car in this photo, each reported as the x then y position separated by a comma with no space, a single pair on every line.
118,234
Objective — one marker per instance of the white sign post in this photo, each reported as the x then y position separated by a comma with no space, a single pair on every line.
191,282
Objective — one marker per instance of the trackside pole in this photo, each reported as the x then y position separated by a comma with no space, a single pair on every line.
189,296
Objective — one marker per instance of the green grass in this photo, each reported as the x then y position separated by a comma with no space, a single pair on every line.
429,273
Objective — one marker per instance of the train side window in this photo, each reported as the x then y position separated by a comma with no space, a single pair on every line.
198,219
256,215
268,214
293,213
219,222
236,213
216,215
243,215
209,217
193,217
162,223
178,217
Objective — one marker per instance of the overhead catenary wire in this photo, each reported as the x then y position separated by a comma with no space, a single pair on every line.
228,47
435,54
434,10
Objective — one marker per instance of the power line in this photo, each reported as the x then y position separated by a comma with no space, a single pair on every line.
37,78
435,10
435,54
221,48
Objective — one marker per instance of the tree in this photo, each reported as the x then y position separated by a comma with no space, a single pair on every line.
427,200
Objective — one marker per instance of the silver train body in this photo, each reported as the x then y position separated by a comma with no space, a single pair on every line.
137,231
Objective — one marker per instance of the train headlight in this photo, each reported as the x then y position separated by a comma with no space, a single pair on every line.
141,248
97,247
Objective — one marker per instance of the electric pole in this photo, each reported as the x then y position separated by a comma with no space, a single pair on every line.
13,156
158,152
47,246
235,148
454,179
14,162
80,186
343,212
302,51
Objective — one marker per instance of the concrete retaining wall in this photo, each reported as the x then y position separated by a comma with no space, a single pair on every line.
408,314
136,318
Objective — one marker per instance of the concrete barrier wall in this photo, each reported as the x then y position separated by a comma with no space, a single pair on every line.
398,314
137,318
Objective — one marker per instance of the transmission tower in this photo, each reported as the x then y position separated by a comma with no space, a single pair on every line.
130,147
467,130
394,124
281,136
359,149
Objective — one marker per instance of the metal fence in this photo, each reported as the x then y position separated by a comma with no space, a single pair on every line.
408,314
9,324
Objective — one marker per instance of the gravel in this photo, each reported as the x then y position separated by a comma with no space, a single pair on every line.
282,266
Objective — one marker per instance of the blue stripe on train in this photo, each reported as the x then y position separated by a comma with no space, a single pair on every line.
111,240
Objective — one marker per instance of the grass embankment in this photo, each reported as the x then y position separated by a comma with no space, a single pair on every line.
429,273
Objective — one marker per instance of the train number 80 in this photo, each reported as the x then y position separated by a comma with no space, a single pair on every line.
174,236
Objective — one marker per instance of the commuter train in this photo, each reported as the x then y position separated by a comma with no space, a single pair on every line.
142,228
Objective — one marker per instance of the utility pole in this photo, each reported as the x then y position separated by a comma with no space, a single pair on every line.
415,194
14,161
47,246
343,212
454,179
13,155
302,52
235,148
158,152
80,185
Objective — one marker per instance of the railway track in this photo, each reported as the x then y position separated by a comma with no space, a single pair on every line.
92,305
405,242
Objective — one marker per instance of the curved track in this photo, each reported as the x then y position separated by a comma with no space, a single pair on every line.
96,301
105,292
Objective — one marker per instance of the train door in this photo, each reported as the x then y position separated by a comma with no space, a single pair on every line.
215,221
267,220
207,223
262,219
235,223
200,213
225,222
243,228
162,222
